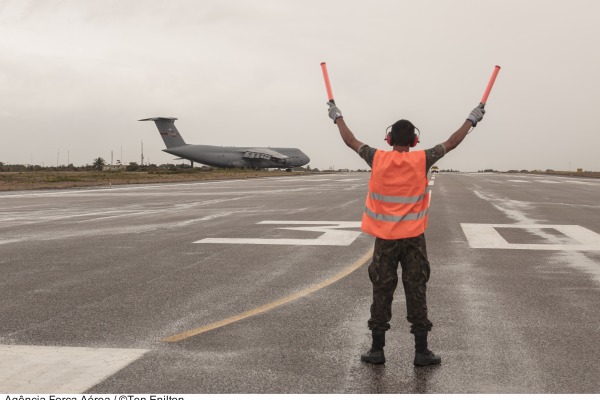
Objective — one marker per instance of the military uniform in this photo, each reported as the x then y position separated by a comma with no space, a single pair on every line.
411,254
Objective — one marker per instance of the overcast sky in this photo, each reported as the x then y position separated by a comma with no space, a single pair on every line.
75,76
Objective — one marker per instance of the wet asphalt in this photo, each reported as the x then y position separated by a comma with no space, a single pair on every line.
120,268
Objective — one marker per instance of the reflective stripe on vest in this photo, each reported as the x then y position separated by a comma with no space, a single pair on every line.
398,199
396,218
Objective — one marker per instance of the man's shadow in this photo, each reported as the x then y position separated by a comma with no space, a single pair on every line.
378,382
421,378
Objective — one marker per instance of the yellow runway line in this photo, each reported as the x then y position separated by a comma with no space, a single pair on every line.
267,307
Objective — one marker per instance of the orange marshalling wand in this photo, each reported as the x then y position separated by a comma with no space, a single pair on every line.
327,84
490,84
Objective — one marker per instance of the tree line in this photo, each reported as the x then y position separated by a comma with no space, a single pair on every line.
98,164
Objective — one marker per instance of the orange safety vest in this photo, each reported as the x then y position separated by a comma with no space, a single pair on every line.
398,199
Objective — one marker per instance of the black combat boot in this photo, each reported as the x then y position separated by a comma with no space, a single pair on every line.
424,356
375,355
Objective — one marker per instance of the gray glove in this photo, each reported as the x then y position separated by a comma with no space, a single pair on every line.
477,114
334,112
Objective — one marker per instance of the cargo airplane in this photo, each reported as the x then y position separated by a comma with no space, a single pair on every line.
227,157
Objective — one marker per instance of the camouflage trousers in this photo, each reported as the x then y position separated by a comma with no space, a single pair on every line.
411,254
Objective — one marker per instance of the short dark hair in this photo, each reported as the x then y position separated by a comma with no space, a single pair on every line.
403,133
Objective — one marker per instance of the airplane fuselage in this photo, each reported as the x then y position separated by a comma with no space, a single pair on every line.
228,157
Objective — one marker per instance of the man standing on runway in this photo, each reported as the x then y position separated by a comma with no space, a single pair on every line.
396,214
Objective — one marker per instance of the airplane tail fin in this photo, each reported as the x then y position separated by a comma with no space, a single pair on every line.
168,131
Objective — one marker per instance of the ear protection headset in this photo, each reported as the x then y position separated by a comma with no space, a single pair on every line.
414,141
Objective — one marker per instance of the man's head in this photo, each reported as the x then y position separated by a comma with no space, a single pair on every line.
403,134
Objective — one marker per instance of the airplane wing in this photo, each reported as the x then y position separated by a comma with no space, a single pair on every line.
267,154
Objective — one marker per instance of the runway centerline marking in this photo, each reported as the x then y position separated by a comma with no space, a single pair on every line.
269,306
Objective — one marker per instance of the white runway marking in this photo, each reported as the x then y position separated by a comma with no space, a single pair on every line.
580,182
331,236
133,188
431,183
125,187
41,369
513,209
485,236
545,181
518,181
7,241
303,179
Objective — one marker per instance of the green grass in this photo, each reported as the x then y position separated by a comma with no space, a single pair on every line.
60,180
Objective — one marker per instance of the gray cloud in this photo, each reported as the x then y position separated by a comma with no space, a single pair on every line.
76,76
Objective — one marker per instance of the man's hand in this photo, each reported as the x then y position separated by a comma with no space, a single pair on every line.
347,136
477,114
334,112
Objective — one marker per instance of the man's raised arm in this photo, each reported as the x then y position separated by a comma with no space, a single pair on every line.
336,115
474,117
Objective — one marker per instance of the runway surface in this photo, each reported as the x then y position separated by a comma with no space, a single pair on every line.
261,285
